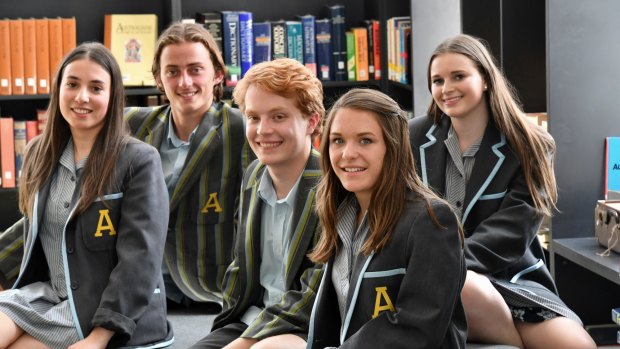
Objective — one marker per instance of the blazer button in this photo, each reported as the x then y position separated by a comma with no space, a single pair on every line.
74,285
69,249
66,205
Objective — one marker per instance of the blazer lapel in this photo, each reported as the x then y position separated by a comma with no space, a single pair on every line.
489,160
306,222
204,146
433,156
152,131
357,276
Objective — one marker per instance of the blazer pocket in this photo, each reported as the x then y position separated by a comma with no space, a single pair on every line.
494,196
99,223
380,289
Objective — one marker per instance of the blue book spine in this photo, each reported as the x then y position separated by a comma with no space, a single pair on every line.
295,41
339,42
307,23
230,39
262,42
19,139
324,49
246,41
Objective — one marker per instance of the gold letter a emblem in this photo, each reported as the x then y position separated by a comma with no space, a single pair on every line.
213,202
382,293
104,215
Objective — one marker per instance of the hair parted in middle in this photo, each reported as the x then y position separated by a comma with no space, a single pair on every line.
287,78
397,179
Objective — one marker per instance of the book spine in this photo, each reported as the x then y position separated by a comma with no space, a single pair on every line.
262,42
324,49
370,45
339,46
30,56
294,41
32,129
361,53
212,21
42,55
5,58
16,27
68,35
615,315
55,45
376,38
246,41
7,152
278,40
350,55
230,42
19,135
309,34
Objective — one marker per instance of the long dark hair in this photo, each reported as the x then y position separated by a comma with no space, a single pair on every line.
43,153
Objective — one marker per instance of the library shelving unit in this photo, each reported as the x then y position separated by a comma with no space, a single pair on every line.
90,23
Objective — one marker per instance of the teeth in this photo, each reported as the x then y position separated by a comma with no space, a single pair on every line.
269,145
81,111
188,94
353,169
450,100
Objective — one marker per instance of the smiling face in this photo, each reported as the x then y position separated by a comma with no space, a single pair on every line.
357,151
84,96
457,86
276,129
188,77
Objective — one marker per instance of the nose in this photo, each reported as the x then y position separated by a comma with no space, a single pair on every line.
263,127
350,151
185,79
82,95
447,86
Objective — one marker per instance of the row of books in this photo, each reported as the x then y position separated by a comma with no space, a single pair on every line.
320,44
14,135
615,317
399,49
30,52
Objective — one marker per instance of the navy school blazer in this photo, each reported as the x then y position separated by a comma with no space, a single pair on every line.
405,296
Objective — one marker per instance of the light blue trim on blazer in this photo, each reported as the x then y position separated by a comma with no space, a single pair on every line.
154,346
529,269
347,319
493,196
385,273
314,306
432,140
109,197
486,183
35,232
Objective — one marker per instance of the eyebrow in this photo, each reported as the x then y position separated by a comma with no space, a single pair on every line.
78,79
362,134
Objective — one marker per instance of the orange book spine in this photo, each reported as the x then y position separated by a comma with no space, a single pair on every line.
7,152
55,42
32,129
16,27
30,56
361,53
5,58
68,35
43,55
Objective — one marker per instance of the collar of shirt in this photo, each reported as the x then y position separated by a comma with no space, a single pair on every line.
66,159
173,140
454,149
267,192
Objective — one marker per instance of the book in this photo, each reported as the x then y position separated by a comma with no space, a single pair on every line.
131,39
369,25
309,38
246,41
230,43
30,56
278,40
262,41
339,44
55,45
212,21
615,315
350,55
295,41
7,152
69,38
16,27
376,49
361,53
19,138
41,120
32,129
42,55
324,49
612,166
5,58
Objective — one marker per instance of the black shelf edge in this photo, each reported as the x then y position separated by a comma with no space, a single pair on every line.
129,91
583,252
407,87
22,97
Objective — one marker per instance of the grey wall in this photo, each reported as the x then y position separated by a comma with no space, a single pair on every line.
583,89
432,21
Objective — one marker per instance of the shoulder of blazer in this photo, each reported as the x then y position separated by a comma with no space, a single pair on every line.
143,119
252,174
313,166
